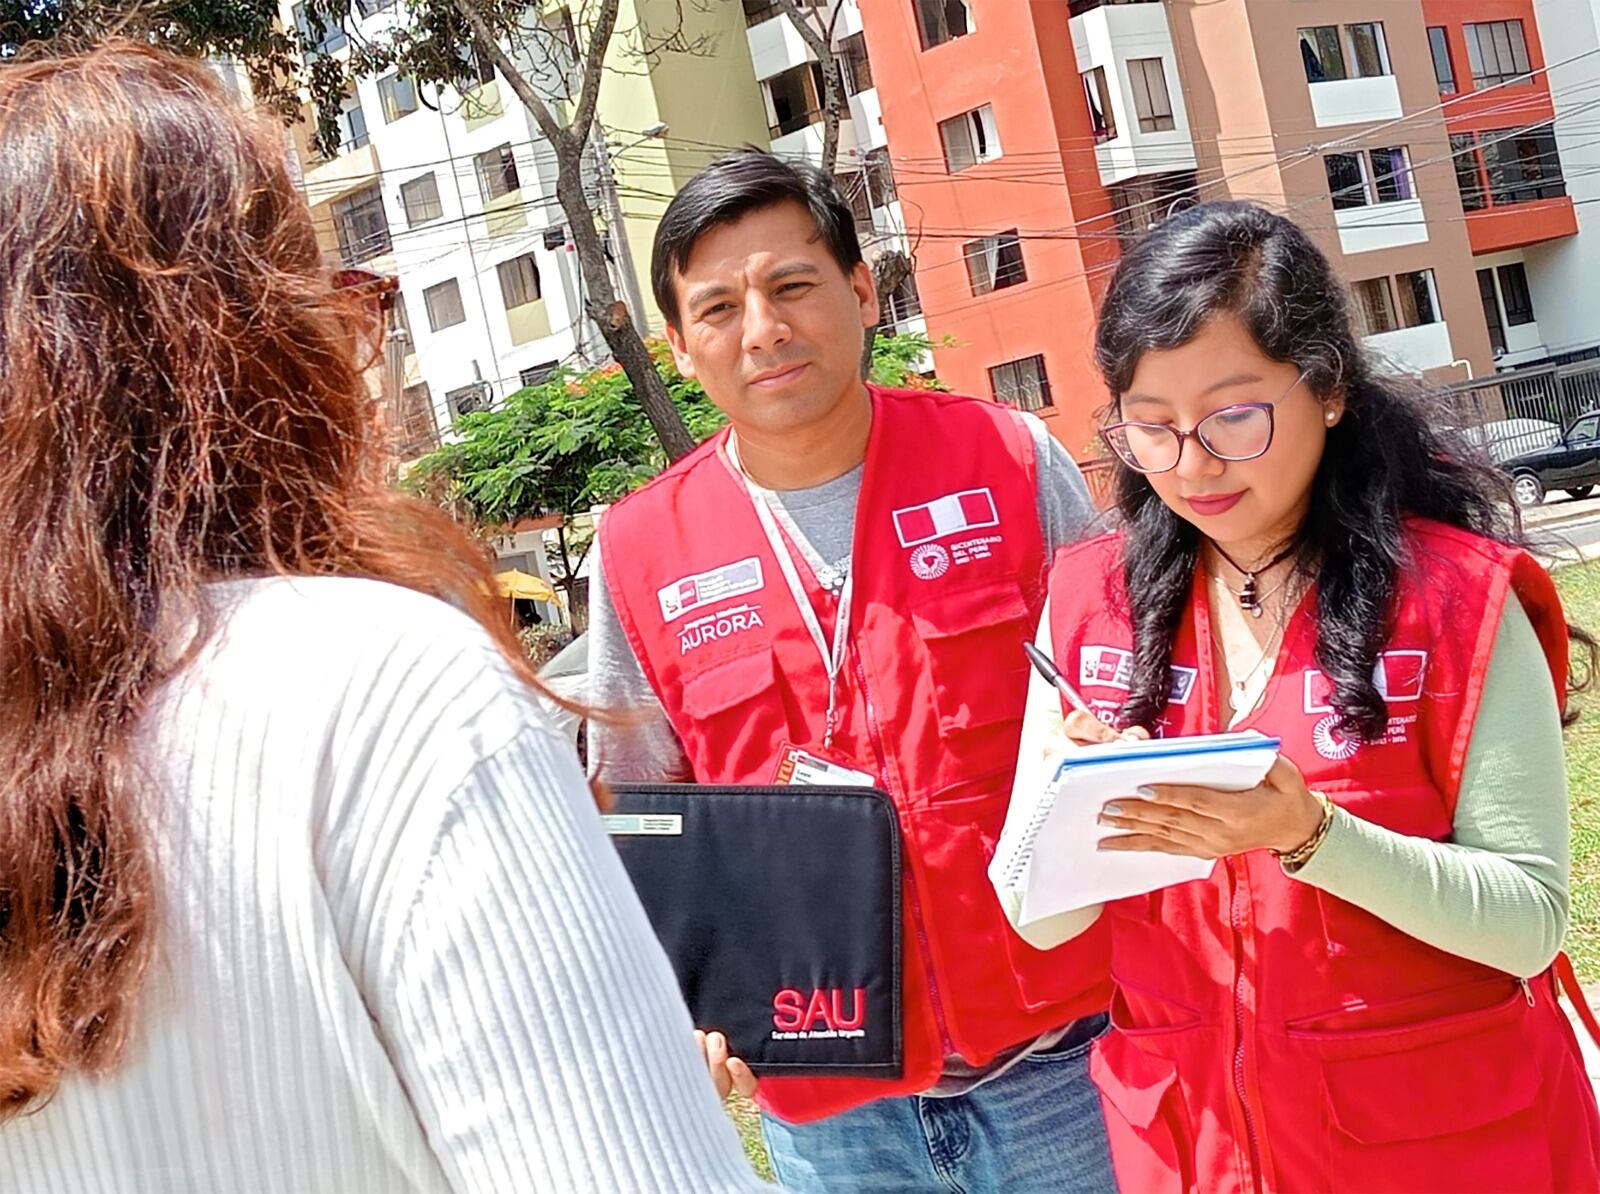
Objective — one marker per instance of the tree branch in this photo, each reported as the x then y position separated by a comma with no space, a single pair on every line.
832,83
593,63
489,45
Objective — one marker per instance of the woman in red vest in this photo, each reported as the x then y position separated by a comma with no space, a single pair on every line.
1360,997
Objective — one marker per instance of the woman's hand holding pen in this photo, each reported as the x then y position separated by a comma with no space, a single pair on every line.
1279,814
1084,729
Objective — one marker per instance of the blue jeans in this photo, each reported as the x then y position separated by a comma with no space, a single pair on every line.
1035,1128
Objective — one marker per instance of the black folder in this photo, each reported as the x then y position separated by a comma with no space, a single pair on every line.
780,910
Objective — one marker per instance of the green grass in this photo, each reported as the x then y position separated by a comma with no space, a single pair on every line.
748,1120
1580,591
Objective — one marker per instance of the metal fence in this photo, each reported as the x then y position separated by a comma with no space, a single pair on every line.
1522,409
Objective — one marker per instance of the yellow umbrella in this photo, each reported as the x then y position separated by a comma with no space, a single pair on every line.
516,583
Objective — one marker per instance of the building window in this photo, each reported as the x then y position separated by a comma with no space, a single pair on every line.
1367,177
398,94
1095,91
995,262
1141,203
1496,52
1347,180
1369,52
1444,71
537,375
1150,98
361,225
1022,383
328,39
352,123
794,98
1469,178
444,305
853,188
901,304
1330,53
467,400
1522,168
1374,306
880,177
476,69
497,172
1491,311
371,8
1321,53
1419,299
419,426
1391,175
969,139
519,281
1408,300
1514,293
939,21
420,198
857,66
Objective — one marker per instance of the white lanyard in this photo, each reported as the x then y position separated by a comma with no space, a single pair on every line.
832,659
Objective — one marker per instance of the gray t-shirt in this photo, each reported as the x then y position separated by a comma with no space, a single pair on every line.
821,522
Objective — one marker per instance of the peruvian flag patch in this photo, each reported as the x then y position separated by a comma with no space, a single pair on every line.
969,510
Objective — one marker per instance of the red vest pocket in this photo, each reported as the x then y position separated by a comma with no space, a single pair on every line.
728,682
1448,1104
979,679
1147,1122
1416,1090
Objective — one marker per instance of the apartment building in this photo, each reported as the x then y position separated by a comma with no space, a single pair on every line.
452,191
791,84
1421,142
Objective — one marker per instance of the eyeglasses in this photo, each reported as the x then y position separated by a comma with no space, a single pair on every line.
1240,432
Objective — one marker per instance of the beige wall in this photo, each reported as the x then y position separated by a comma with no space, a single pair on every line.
1251,107
709,95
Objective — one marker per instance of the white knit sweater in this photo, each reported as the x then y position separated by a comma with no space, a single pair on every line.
397,951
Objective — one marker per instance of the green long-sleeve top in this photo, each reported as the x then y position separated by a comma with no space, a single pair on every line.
1495,893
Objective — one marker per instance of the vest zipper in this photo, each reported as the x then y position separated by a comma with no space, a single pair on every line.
1527,992
910,871
1239,1089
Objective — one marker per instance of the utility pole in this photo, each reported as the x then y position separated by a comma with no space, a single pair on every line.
621,250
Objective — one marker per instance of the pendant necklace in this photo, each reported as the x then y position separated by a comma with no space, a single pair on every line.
1250,597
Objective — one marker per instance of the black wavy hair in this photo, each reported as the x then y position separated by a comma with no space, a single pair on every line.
1385,459
729,189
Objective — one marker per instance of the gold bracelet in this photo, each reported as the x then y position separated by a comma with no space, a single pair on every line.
1293,860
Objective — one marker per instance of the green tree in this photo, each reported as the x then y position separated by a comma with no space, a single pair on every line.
576,441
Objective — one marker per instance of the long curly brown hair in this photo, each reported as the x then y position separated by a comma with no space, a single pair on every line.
182,400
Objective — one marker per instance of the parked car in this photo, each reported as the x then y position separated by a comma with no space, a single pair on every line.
1571,462
1505,438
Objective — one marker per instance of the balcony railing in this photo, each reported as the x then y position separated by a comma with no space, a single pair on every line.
1078,7
756,11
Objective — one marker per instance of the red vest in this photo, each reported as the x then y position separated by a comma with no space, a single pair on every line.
1270,1036
949,582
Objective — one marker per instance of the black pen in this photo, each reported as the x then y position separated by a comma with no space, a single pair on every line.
1046,667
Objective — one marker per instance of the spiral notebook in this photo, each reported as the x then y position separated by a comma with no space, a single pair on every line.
1047,850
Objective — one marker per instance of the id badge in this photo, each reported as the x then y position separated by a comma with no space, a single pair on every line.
807,768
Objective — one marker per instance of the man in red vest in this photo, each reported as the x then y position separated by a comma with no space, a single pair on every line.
839,584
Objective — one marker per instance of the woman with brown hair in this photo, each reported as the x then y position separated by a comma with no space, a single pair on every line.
299,890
